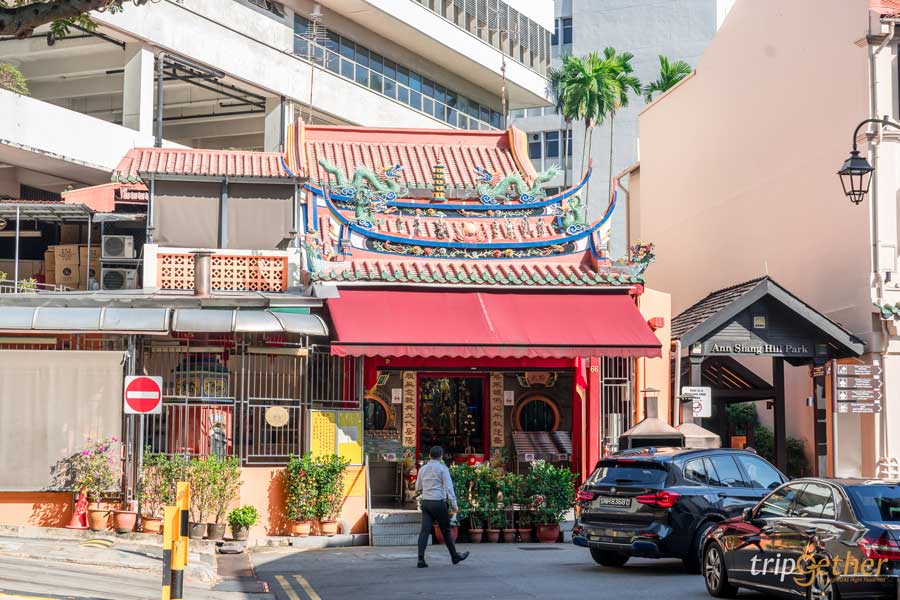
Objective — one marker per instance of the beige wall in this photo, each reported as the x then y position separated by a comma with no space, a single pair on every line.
738,167
655,372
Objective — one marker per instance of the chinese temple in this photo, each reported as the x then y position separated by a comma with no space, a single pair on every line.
488,315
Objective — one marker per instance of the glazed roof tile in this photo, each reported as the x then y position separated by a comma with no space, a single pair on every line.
469,272
885,8
417,150
195,162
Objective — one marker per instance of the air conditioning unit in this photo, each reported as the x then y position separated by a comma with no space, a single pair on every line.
118,246
119,279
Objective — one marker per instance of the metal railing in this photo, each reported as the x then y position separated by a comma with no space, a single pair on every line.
616,400
8,286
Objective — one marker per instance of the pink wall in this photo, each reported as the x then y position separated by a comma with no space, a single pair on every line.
737,174
45,509
656,372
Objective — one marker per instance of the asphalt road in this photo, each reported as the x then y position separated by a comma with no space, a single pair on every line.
495,571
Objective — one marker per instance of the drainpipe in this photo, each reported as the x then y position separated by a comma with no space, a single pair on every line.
676,396
160,75
874,198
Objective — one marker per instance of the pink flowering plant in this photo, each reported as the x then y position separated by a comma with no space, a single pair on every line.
97,468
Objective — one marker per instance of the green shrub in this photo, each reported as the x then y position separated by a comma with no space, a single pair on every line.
11,79
245,516
797,465
329,486
300,476
550,491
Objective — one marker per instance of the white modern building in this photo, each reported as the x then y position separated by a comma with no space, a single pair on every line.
233,73
678,29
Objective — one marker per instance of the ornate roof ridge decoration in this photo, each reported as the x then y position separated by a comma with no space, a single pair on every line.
888,311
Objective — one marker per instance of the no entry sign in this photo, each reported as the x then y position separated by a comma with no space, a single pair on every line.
143,395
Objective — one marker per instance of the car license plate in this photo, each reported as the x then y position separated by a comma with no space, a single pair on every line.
613,501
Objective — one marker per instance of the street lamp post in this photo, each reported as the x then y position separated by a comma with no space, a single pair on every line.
856,172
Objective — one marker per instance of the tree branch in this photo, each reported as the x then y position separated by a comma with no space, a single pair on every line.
21,21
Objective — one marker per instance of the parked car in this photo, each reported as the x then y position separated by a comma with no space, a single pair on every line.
819,538
661,502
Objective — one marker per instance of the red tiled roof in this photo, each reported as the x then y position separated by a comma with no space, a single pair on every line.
885,8
473,272
217,163
417,150
103,197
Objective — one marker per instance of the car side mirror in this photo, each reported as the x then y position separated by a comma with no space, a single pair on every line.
747,515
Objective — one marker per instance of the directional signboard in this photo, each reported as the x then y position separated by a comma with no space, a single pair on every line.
857,388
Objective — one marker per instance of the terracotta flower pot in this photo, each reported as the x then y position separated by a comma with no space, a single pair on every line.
475,535
151,524
300,528
439,535
548,533
98,519
509,536
241,533
197,531
328,528
492,535
215,532
524,534
124,520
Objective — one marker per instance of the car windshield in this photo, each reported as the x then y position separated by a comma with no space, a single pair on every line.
876,502
626,472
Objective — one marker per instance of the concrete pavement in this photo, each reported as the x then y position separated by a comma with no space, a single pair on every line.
493,571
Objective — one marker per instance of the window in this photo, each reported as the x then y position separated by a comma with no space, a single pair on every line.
569,143
534,145
876,502
761,474
517,113
695,470
815,502
551,144
724,472
537,413
778,503
632,472
554,40
566,26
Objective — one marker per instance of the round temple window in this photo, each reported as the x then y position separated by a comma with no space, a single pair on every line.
537,413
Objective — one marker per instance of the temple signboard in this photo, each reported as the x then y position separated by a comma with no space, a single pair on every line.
410,414
496,396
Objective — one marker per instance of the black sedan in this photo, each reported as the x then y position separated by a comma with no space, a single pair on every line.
818,538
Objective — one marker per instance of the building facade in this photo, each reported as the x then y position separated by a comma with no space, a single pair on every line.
747,186
678,29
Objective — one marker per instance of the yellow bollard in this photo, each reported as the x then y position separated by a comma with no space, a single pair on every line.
170,532
180,545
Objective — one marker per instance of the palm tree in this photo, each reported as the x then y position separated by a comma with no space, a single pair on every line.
623,84
669,75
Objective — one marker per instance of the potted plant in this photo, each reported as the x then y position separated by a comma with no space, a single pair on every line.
510,497
225,484
462,476
300,478
495,522
201,475
241,520
157,490
330,491
97,469
552,493
476,526
523,530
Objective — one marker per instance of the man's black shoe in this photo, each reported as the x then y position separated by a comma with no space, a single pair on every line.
422,564
460,557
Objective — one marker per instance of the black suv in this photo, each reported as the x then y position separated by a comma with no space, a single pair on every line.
661,502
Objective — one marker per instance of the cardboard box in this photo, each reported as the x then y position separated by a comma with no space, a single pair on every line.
83,254
67,274
67,254
50,260
69,233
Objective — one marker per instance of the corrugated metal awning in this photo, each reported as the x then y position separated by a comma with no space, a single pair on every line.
157,320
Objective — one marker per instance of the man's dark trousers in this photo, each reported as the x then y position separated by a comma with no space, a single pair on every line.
435,511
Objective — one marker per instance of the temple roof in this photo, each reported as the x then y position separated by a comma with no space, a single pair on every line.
417,150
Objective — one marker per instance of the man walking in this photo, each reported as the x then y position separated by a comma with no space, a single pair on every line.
436,487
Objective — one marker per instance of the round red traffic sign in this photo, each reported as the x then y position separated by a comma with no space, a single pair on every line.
143,395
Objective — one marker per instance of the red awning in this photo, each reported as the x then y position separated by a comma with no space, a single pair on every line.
488,324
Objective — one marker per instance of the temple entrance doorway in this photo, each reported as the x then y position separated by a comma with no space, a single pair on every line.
451,413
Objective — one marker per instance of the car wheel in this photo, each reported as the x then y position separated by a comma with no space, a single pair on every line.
694,558
609,558
821,586
715,574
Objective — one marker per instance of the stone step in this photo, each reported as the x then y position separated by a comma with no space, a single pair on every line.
396,517
395,540
396,529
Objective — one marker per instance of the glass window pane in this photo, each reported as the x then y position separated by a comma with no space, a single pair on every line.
440,93
428,105
301,25
346,68
516,113
375,81
318,54
428,87
724,472
485,114
347,48
451,116
551,144
473,110
451,99
332,62
555,39
762,475
463,121
534,145
362,56
403,75
569,144
567,31
403,94
415,81
694,469
778,503
496,121
332,42
816,502
440,111
390,88
376,63
300,46
362,75
415,100
390,69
